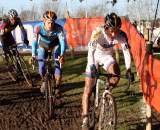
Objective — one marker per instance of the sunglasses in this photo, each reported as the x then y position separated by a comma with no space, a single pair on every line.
111,29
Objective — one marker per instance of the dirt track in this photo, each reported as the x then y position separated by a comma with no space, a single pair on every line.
23,108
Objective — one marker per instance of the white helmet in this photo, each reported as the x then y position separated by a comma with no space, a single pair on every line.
12,13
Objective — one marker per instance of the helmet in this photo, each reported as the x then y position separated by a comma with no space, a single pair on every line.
50,15
12,13
112,21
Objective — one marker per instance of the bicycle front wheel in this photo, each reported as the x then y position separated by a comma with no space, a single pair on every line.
50,99
92,113
108,113
10,63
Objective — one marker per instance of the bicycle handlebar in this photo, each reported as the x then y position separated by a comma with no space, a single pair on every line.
43,60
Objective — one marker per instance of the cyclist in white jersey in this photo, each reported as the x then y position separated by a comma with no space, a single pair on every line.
100,51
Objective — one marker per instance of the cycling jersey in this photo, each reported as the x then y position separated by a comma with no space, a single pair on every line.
6,27
6,36
48,39
44,40
100,49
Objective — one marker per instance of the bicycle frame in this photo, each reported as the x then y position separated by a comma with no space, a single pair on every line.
50,84
19,64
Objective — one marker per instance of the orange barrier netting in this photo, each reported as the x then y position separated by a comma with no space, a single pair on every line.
147,66
79,30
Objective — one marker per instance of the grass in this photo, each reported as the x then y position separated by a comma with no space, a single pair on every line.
128,103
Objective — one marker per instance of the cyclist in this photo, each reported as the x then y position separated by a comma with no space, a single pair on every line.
49,35
7,24
100,51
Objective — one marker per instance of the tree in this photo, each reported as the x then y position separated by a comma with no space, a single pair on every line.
26,15
141,9
49,5
1,11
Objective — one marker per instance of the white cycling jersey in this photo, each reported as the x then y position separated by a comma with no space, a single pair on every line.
100,49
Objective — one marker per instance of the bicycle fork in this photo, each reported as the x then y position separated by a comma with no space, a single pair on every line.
97,93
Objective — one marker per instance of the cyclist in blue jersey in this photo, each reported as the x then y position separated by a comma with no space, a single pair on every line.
49,35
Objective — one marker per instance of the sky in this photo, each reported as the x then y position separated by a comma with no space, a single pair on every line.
18,4
71,4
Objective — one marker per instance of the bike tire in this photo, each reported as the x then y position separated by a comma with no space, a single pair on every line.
108,113
50,98
10,63
24,70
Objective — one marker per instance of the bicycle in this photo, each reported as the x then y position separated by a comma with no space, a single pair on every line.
16,65
102,110
49,79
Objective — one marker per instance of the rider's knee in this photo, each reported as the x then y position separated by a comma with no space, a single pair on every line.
58,80
115,70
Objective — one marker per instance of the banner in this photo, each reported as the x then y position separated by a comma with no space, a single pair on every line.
79,30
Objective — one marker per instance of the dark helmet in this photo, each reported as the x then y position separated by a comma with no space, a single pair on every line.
112,21
50,15
12,13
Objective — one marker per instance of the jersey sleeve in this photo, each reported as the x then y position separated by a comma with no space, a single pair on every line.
35,40
92,45
24,32
3,24
126,53
62,42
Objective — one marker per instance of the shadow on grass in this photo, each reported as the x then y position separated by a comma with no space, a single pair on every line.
71,86
142,126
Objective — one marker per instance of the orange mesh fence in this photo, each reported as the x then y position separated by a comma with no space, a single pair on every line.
147,66
79,30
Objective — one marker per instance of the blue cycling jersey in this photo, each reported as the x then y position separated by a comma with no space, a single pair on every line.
48,39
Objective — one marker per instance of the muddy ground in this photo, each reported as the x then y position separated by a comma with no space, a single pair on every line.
23,108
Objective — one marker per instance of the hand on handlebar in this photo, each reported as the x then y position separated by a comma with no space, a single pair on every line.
61,59
32,61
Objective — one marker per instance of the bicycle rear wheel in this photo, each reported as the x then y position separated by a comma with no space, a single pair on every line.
108,113
24,70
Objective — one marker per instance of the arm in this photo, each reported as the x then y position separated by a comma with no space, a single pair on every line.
62,43
127,56
91,51
23,30
35,41
92,45
3,24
